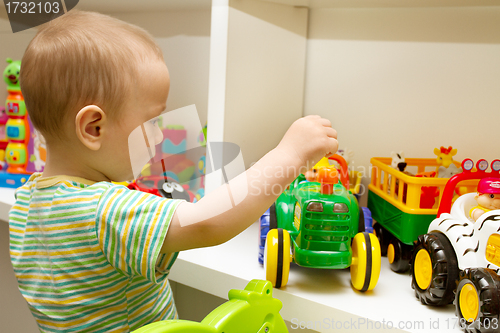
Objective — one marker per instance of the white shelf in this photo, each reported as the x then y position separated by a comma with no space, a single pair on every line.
312,295
6,202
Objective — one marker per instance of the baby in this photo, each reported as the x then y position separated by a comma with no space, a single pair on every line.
93,256
487,197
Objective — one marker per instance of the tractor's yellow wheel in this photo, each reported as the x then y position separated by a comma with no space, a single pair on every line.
469,302
366,260
277,257
422,269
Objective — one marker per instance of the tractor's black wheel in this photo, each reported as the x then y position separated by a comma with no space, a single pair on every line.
384,237
399,255
477,300
361,221
434,269
273,218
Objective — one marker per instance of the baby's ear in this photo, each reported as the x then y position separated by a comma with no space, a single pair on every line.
89,123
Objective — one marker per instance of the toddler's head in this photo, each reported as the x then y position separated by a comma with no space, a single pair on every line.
88,80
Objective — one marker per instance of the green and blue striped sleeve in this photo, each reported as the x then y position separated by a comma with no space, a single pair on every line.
131,227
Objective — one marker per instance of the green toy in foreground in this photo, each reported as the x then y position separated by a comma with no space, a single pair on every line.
252,310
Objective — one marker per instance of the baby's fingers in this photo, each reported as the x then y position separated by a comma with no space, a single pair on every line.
331,133
332,147
325,122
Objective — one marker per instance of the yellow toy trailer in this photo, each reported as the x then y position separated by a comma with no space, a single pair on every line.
403,205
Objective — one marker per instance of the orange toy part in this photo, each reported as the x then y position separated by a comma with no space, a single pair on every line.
344,171
328,176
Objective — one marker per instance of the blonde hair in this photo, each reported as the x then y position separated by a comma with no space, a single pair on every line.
79,59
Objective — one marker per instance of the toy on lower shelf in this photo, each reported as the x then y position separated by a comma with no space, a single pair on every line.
24,154
3,137
175,171
320,221
403,205
250,310
458,259
162,187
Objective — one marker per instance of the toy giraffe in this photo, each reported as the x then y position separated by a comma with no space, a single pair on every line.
445,166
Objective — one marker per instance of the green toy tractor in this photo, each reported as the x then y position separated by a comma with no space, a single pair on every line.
319,224
252,310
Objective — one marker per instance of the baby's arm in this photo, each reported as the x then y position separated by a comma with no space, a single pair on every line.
213,220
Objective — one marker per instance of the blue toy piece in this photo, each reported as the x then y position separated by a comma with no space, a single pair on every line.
264,229
368,219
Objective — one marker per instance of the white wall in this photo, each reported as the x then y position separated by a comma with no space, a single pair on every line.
11,46
266,48
183,35
407,79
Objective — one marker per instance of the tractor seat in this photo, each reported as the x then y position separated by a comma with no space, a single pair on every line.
462,206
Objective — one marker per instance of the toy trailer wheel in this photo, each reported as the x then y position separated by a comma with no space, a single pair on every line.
366,260
434,269
399,255
277,257
477,300
384,237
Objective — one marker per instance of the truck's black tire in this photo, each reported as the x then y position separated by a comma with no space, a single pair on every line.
444,266
487,286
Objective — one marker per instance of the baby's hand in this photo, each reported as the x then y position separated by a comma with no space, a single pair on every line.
310,138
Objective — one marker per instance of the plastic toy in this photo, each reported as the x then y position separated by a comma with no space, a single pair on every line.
3,136
459,259
446,168
487,197
252,310
16,130
312,174
162,187
202,165
347,154
174,162
319,224
429,193
21,145
398,161
17,127
402,213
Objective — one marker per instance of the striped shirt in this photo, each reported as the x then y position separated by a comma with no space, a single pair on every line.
87,255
